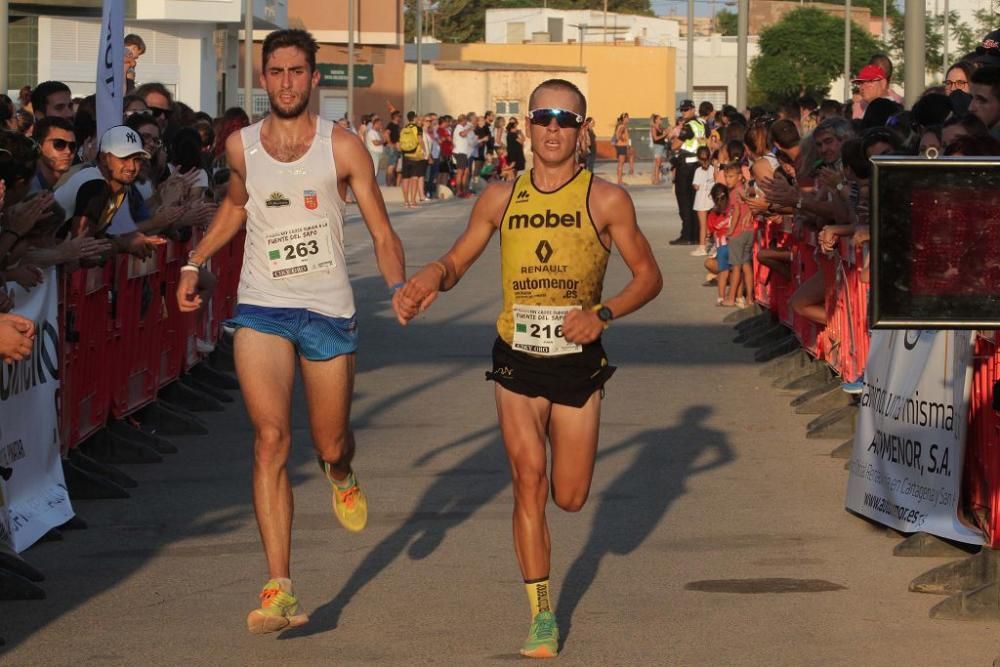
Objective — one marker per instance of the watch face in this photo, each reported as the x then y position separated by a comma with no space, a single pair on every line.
604,314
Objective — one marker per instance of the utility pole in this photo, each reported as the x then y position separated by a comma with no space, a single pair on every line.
420,56
885,19
914,53
247,58
4,61
742,30
350,63
944,48
605,21
847,49
689,84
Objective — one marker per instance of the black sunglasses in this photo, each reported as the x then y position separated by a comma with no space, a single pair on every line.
157,112
62,144
565,119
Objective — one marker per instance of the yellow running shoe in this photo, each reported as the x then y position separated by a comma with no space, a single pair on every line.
279,609
350,505
543,637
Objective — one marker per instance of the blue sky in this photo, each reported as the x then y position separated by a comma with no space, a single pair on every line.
701,7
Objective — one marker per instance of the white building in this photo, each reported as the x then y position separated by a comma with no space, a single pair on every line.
514,26
191,47
714,68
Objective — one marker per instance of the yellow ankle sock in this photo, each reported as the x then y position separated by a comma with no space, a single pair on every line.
538,595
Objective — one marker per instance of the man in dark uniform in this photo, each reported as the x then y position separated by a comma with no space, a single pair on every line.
684,160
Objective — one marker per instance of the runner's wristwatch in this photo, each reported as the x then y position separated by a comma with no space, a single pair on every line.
191,261
604,314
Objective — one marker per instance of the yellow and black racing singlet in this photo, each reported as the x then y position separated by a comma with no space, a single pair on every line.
552,261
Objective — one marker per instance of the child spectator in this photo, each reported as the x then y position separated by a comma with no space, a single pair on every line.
740,239
504,166
704,178
717,221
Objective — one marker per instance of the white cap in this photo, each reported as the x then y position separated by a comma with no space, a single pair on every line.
122,141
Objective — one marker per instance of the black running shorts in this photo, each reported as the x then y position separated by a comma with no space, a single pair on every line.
569,379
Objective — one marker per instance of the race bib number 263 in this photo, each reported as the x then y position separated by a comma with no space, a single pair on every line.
299,249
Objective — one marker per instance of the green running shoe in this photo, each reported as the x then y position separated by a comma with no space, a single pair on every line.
279,609
543,637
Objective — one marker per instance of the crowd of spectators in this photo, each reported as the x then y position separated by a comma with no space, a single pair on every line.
803,170
438,157
72,200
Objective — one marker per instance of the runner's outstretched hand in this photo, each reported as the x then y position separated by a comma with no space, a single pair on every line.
418,294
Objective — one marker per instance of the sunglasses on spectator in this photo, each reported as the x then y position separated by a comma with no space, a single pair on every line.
157,112
62,144
565,119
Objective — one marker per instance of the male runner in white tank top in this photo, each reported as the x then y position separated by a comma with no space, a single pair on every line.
289,179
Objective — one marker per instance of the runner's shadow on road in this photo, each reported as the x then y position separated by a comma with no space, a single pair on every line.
455,496
637,500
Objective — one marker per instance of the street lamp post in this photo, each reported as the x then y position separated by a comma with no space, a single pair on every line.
914,55
4,61
944,47
420,58
847,49
689,84
350,62
247,58
742,29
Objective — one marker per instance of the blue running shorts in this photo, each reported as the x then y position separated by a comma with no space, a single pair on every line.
315,337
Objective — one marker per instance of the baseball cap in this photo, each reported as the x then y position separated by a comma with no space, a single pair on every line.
869,73
988,51
685,105
122,141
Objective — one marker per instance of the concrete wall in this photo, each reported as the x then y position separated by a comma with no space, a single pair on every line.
636,79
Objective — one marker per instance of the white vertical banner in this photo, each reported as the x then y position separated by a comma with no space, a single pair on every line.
111,67
35,498
909,445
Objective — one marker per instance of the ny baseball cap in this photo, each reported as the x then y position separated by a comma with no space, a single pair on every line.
122,141
685,105
869,73
988,51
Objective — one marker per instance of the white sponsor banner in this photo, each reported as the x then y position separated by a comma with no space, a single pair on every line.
906,470
111,67
35,493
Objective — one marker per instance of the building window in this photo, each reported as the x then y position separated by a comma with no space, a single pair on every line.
508,107
261,105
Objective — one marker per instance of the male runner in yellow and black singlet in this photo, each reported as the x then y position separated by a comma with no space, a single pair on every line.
557,224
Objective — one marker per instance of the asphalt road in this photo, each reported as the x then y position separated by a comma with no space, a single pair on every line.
715,533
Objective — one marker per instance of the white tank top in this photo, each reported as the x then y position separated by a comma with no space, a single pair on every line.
294,251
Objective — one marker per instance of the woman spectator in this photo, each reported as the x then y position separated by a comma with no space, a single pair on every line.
499,133
958,77
515,146
658,139
621,142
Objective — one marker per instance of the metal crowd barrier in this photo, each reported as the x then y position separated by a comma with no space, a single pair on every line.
124,338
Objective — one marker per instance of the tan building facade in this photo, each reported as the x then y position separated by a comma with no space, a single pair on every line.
460,87
619,78
378,55
765,13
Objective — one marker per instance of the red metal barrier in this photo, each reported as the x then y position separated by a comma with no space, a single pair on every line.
86,323
981,480
124,338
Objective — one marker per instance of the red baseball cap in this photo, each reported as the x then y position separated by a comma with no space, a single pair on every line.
869,73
